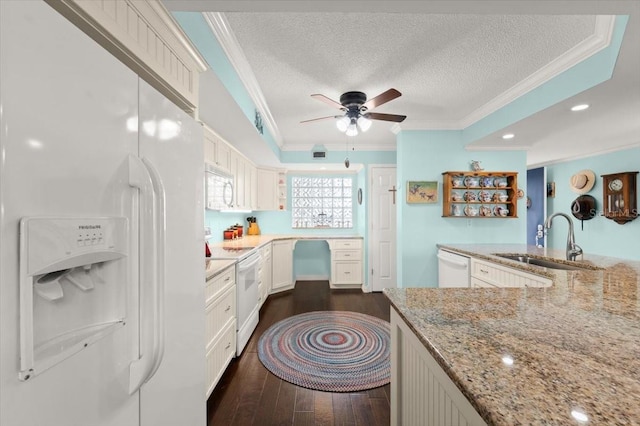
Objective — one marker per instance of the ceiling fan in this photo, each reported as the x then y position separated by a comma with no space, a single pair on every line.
356,110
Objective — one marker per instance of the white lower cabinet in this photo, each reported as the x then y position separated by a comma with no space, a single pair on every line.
220,327
478,283
489,274
219,356
282,265
264,273
346,262
422,394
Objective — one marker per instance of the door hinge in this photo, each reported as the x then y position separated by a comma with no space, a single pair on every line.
371,271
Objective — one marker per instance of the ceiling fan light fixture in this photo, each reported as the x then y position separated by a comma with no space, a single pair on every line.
364,123
343,123
352,130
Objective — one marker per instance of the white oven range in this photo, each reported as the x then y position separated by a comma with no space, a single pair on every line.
247,310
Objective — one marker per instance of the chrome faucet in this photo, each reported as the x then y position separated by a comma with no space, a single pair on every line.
573,250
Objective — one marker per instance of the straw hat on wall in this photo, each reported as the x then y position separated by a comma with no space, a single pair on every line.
583,181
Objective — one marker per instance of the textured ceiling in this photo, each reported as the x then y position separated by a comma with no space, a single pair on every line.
446,66
454,62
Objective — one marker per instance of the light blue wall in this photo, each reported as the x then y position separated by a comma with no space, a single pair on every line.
218,222
200,34
424,156
600,235
594,70
311,259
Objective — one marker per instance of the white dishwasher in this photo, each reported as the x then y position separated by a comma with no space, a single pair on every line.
453,269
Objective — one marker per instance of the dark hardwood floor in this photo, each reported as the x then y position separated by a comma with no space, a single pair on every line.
248,394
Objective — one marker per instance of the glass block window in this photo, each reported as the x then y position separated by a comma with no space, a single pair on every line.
321,202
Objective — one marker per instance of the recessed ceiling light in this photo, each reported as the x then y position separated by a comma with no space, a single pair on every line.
508,136
580,107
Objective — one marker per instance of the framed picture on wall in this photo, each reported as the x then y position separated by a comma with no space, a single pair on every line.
422,192
551,189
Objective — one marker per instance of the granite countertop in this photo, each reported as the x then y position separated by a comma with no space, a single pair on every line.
574,346
215,266
256,241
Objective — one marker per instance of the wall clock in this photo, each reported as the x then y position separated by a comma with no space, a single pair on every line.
620,196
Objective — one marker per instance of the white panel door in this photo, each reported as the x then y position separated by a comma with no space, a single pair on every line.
382,232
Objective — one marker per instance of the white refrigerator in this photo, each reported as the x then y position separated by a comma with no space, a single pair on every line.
101,226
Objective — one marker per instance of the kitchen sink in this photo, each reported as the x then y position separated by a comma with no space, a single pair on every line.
546,263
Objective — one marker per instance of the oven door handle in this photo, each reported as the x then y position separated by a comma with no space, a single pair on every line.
248,263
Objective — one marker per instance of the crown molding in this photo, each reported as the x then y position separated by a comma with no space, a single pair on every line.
580,157
498,148
600,39
340,147
229,43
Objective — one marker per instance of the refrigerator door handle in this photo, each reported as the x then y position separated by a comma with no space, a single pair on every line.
160,262
151,273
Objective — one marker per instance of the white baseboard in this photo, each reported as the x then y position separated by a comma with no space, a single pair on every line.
312,278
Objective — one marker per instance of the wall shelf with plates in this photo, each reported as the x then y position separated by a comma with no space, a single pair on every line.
480,194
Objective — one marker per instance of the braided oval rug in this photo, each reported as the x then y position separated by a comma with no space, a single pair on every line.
333,351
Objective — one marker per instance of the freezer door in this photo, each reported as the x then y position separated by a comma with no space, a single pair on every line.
171,145
67,119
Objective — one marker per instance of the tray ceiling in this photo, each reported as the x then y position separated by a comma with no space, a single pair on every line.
452,68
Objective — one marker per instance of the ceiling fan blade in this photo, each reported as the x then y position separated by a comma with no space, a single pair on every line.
328,101
321,118
385,117
382,98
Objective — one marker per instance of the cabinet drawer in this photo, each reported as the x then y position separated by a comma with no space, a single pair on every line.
347,244
504,276
347,254
345,272
478,283
219,283
219,314
265,251
219,356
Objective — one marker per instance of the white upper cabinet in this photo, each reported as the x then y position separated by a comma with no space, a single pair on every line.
238,168
216,151
223,155
250,186
145,37
267,190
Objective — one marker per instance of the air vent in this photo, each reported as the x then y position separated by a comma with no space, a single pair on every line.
319,154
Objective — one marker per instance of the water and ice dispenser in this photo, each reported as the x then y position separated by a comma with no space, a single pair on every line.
74,277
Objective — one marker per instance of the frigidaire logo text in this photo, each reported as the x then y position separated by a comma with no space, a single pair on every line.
89,226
